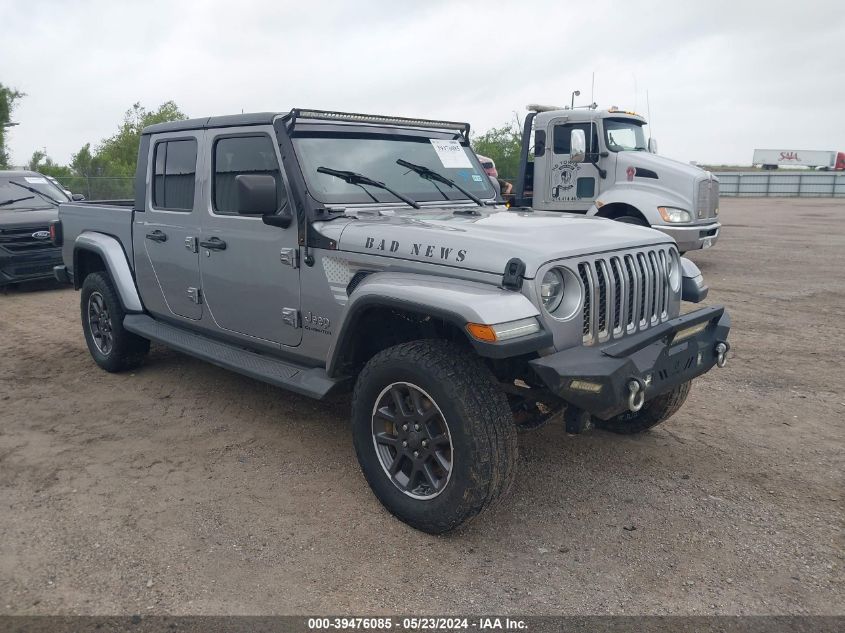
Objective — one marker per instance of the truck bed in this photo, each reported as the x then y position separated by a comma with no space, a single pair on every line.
111,217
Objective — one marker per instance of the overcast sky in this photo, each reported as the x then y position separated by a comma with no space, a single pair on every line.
722,77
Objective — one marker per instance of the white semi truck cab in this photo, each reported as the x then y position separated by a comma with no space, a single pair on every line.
600,163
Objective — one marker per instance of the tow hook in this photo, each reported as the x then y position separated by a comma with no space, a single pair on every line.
636,394
721,354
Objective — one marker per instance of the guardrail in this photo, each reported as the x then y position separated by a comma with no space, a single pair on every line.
781,184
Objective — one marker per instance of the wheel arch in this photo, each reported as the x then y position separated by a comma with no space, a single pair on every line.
391,308
615,210
97,252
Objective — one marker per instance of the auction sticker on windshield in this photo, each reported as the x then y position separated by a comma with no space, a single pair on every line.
451,153
35,180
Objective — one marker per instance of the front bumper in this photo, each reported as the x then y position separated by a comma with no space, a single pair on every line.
691,238
596,378
28,265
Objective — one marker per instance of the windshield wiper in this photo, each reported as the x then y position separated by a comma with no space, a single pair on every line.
8,202
359,179
34,190
430,174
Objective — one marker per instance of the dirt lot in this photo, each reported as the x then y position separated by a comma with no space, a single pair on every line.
182,488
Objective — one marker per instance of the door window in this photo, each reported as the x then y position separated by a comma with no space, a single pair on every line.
174,176
236,155
563,134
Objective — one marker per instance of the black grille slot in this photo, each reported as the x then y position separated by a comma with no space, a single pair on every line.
600,272
643,276
588,298
632,278
616,273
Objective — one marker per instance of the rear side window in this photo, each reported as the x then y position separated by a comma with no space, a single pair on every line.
174,176
233,156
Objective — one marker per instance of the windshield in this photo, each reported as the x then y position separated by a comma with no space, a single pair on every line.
375,156
624,135
26,199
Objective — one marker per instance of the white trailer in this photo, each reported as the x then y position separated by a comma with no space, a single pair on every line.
774,158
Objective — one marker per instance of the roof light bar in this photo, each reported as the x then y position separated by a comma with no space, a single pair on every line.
352,117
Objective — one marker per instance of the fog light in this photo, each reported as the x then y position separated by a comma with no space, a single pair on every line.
585,385
682,335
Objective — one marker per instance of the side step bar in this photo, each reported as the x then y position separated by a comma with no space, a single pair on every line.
308,381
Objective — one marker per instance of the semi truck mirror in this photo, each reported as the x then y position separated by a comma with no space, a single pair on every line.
577,146
652,145
256,194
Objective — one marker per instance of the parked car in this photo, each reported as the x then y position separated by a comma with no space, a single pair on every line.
321,251
28,203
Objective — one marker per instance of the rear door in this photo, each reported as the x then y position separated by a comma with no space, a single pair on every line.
165,235
250,273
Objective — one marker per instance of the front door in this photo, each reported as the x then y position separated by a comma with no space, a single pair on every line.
572,186
250,273
165,234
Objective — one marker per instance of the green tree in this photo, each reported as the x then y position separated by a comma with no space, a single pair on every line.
502,144
43,164
117,155
8,97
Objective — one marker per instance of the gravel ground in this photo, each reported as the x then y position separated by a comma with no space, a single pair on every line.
184,489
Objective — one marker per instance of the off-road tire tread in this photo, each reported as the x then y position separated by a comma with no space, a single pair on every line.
129,349
471,383
654,412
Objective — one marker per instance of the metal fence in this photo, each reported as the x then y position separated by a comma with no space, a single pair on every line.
782,184
100,187
748,184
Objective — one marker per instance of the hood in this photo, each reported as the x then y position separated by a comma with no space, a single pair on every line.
11,217
665,168
488,241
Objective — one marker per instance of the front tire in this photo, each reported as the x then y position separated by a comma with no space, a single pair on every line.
112,348
654,412
434,435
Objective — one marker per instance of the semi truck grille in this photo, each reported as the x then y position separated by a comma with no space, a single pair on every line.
18,239
624,293
707,199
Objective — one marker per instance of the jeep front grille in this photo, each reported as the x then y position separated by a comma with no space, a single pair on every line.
624,293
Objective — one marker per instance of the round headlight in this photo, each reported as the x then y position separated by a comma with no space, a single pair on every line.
551,290
673,265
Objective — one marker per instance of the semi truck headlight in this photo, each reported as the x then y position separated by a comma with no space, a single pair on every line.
673,215
551,290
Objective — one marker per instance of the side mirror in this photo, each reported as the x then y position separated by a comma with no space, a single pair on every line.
652,145
77,197
577,146
256,194
693,288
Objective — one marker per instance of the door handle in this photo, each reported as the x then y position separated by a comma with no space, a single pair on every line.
157,236
214,244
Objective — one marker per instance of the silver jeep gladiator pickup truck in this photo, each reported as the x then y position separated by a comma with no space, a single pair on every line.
321,251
